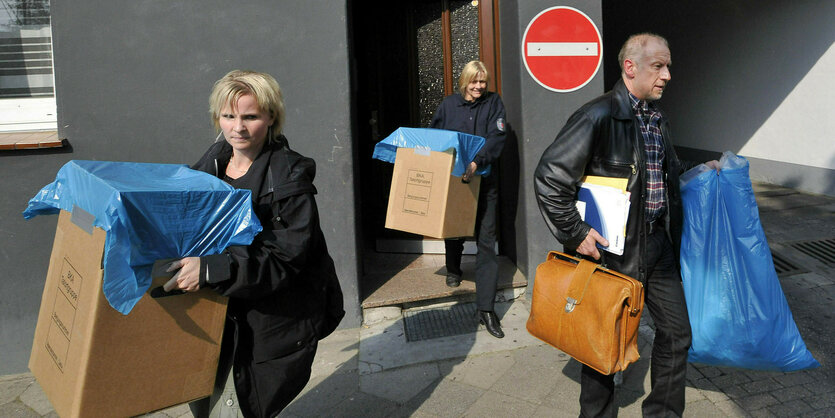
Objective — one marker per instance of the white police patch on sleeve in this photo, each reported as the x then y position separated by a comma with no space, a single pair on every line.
500,124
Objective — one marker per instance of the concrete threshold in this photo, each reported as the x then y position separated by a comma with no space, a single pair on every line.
383,344
425,284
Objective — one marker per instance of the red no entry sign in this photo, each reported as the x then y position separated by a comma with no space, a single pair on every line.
562,49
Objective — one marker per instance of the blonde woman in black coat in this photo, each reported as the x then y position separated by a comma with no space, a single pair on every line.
476,111
283,291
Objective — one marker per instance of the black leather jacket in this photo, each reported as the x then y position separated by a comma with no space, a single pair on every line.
602,138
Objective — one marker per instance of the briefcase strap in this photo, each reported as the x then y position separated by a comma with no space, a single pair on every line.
581,276
579,282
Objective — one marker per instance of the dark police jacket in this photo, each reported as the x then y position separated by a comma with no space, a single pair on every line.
283,289
602,138
484,117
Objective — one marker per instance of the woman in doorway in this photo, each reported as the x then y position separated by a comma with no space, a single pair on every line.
474,110
283,291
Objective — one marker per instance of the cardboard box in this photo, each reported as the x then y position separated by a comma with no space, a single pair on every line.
92,361
426,199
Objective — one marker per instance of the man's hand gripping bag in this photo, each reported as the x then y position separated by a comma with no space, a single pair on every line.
589,312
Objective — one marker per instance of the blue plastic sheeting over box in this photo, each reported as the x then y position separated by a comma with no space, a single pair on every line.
466,146
738,313
150,212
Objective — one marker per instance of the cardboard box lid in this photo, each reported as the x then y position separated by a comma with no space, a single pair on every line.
465,146
150,212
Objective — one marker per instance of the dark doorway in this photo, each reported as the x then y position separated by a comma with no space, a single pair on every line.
406,57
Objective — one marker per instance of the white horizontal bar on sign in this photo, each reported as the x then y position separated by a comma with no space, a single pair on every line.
562,49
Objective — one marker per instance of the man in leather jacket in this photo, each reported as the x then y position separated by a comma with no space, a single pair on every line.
623,134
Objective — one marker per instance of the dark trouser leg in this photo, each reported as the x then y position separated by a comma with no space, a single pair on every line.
666,303
486,263
266,388
202,408
597,394
454,248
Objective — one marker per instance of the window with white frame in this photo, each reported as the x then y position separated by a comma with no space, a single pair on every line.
27,95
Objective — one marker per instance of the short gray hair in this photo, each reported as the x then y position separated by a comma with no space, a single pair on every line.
634,46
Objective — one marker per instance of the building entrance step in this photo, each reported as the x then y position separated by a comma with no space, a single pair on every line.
410,279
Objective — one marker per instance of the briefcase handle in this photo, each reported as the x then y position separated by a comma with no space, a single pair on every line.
576,260
582,274
563,256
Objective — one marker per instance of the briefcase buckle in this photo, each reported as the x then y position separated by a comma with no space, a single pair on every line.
570,305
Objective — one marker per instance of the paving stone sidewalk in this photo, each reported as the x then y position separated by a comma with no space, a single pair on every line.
372,372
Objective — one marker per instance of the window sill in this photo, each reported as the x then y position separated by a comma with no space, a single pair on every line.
28,140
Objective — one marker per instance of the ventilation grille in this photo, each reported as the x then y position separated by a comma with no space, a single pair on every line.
426,324
784,267
822,250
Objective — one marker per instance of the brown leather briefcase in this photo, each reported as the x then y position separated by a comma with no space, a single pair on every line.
589,312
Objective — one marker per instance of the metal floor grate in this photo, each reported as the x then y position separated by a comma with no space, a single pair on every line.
821,250
425,324
784,266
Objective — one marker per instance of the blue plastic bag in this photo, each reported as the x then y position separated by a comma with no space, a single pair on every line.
150,212
738,313
466,146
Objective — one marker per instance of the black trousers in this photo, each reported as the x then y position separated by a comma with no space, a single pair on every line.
487,266
664,297
262,389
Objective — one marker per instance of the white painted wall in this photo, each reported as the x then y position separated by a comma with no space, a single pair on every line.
802,128
753,78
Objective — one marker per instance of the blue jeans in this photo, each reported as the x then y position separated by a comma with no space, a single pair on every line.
664,297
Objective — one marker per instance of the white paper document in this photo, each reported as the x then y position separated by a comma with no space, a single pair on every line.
606,209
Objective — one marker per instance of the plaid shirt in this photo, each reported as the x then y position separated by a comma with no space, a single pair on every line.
649,117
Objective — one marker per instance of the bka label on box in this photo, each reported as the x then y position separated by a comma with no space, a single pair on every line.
63,314
418,190
426,199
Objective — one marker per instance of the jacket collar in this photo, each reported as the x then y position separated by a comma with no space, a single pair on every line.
462,102
622,106
258,171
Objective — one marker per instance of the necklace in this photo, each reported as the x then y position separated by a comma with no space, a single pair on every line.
232,166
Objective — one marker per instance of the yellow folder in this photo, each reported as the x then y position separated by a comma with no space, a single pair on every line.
616,182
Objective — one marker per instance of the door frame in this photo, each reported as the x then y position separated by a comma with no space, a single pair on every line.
489,54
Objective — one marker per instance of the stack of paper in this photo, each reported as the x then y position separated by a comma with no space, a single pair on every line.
603,203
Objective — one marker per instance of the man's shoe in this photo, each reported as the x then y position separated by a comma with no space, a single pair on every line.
453,280
491,322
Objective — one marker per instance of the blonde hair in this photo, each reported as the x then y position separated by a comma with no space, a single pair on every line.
633,48
469,73
262,86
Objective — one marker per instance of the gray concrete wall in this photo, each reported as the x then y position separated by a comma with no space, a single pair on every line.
536,115
132,82
754,78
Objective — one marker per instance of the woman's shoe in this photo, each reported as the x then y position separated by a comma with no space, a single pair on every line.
491,322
